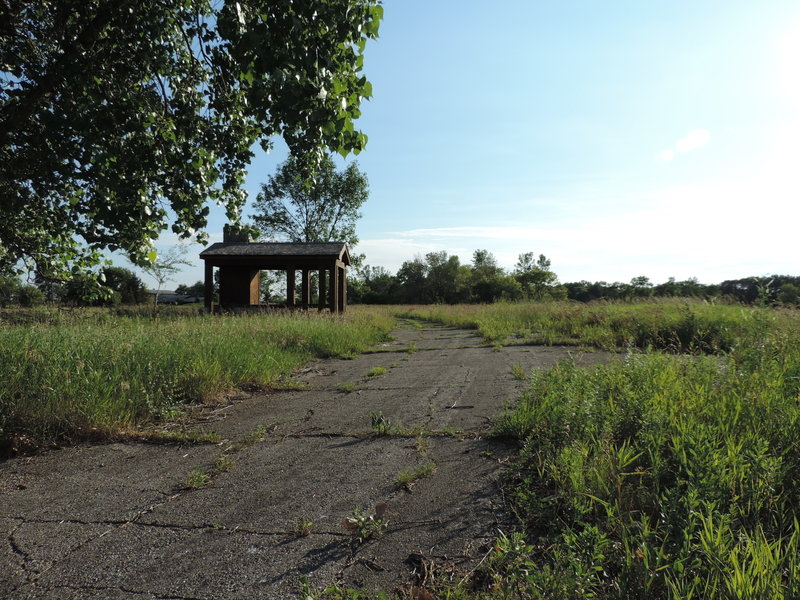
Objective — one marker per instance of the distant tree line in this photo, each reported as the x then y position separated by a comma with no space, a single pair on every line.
439,278
773,289
117,284
435,278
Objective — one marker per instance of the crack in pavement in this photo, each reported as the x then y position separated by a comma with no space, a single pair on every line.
101,588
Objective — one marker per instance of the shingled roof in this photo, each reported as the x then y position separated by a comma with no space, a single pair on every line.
277,249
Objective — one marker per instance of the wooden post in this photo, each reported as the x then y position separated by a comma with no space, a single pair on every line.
208,289
322,290
305,289
290,286
334,304
342,289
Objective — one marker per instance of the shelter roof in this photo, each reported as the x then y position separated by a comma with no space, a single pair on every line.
277,250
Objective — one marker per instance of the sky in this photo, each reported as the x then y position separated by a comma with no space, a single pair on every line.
620,139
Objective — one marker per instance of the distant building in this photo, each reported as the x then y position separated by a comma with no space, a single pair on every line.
170,297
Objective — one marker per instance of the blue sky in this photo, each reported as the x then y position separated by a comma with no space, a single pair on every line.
618,138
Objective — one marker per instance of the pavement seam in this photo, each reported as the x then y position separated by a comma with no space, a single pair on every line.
174,526
105,588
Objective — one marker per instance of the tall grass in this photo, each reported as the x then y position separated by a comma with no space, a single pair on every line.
660,476
674,325
65,374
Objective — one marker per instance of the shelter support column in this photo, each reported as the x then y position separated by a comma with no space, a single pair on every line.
322,290
334,304
342,289
208,289
305,289
290,286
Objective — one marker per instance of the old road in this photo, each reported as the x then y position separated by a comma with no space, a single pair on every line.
266,505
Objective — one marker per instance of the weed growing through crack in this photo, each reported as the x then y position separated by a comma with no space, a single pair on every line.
301,526
376,371
255,436
412,347
518,372
365,524
422,445
222,464
406,479
198,478
347,387
380,424
185,436
451,432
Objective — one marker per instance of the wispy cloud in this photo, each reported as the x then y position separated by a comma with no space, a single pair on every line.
693,140
487,233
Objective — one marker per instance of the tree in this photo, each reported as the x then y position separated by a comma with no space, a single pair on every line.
535,276
165,267
197,289
789,294
124,282
411,278
292,208
484,264
118,118
372,285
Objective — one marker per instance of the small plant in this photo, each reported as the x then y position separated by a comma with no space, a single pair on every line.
301,526
255,436
407,479
365,525
450,431
518,372
380,424
222,464
376,371
198,478
185,436
422,445
347,387
412,347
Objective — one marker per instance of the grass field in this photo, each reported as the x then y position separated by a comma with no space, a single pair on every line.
671,473
68,374
672,325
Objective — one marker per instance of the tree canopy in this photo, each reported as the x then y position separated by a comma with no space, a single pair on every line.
121,118
325,209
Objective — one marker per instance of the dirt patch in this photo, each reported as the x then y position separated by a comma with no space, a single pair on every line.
247,517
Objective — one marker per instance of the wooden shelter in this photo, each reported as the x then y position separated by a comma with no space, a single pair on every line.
240,265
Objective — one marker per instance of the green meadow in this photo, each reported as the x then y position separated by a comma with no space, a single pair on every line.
69,374
672,472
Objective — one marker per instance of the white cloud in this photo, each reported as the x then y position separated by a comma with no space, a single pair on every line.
666,155
484,233
693,140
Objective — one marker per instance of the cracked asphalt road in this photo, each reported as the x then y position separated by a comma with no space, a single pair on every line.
118,521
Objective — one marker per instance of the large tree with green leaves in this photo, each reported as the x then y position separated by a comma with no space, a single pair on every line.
292,208
120,118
